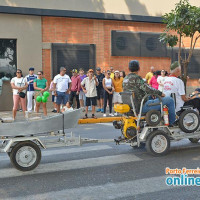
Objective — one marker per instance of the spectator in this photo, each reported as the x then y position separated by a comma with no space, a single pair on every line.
117,84
153,82
82,94
134,83
30,90
149,75
100,89
89,88
174,85
111,72
62,86
161,80
67,107
122,74
75,87
108,93
18,85
52,90
40,85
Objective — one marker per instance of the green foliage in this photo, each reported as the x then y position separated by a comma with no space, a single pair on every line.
169,39
185,21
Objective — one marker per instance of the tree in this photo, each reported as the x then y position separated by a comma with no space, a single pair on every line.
184,20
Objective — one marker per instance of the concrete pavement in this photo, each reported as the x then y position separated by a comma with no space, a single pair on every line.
7,115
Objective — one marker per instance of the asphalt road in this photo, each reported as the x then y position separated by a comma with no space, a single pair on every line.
100,171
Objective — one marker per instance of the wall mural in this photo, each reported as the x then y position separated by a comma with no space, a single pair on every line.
8,60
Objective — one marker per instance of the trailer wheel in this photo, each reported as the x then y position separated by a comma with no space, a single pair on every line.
189,121
153,117
158,143
194,140
25,156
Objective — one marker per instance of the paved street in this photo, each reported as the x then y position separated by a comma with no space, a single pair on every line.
99,171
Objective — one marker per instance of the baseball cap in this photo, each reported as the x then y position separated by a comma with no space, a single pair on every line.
31,69
98,69
116,71
174,65
74,71
90,70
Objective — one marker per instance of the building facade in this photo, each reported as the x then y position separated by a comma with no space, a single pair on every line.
49,34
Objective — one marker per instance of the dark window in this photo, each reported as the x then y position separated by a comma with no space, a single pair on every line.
73,56
194,64
8,57
139,44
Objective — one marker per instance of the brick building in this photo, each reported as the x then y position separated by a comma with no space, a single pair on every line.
87,33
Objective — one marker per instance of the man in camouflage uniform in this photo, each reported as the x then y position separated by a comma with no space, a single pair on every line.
134,83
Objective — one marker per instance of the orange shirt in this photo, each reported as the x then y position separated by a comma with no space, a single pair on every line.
117,83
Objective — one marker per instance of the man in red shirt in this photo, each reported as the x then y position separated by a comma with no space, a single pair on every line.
75,87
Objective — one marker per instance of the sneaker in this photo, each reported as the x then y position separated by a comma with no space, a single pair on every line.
115,114
104,115
102,110
99,110
54,110
111,115
20,110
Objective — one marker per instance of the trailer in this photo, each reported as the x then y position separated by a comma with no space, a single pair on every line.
23,140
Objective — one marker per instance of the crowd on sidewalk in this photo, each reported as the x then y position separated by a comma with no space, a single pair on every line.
90,91
95,91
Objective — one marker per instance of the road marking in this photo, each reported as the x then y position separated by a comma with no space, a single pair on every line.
67,150
71,165
105,192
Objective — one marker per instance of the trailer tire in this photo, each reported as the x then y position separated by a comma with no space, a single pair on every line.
153,117
25,156
187,128
158,143
194,140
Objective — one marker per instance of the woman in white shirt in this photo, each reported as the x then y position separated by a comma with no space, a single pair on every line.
108,93
18,85
161,80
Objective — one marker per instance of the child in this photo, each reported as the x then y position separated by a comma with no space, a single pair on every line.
51,89
67,107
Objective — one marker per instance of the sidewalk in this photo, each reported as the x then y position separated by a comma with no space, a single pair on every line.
7,115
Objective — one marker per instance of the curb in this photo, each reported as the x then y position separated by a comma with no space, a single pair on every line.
98,120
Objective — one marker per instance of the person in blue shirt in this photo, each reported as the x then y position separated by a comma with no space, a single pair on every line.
30,90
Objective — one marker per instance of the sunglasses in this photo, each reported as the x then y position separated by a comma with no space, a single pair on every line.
18,72
39,74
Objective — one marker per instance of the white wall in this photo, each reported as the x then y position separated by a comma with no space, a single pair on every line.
27,30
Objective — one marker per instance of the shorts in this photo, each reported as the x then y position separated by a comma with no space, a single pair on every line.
62,98
53,98
37,93
82,95
90,100
117,98
100,93
16,100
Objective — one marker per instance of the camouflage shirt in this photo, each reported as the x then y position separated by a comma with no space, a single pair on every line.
134,83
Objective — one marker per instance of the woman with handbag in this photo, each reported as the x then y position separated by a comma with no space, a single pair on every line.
40,85
19,86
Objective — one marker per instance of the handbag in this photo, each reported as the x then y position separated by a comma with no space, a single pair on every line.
22,94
